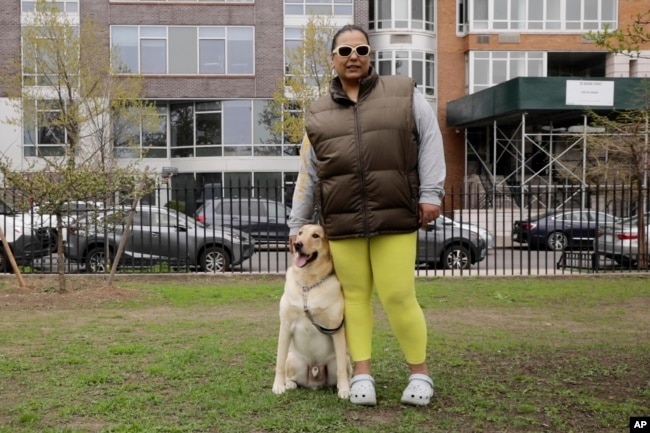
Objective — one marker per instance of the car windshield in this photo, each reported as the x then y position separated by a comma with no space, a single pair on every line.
175,218
603,217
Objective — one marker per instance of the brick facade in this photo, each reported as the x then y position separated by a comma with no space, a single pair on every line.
267,18
452,72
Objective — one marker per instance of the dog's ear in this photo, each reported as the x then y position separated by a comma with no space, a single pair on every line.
326,242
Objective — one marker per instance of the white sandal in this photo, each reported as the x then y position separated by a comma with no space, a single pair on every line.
419,390
362,390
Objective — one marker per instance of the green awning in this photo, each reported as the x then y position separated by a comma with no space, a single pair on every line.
545,97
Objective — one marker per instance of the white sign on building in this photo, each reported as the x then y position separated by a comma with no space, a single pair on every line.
590,93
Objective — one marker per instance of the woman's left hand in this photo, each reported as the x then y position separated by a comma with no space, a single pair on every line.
427,213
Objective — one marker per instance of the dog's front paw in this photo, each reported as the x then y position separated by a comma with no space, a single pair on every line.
344,391
279,386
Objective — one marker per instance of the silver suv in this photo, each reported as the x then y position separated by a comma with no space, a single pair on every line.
158,235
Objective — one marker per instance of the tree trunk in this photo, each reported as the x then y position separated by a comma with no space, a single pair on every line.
11,258
129,223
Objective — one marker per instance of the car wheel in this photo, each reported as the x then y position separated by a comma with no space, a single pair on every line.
96,261
457,257
557,241
215,259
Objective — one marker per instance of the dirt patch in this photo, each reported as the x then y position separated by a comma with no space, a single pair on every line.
43,291
44,295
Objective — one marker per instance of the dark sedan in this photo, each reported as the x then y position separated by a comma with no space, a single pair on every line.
562,230
265,220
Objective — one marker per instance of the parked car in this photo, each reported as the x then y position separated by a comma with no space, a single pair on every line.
620,241
210,191
444,243
487,236
265,220
562,230
26,241
157,235
39,216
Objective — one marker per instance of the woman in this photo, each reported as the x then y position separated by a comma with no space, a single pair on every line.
372,165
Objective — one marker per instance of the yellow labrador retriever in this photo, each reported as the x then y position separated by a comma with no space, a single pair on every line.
312,351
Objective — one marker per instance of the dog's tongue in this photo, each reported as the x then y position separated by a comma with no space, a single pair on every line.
301,260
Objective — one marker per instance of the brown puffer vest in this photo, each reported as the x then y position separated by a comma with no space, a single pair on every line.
367,158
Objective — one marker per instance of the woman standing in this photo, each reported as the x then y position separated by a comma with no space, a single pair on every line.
372,165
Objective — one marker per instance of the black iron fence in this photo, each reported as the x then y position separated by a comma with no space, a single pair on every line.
531,230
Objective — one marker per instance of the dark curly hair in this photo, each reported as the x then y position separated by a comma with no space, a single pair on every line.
348,28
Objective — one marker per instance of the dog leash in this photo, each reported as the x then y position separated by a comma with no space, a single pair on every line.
305,307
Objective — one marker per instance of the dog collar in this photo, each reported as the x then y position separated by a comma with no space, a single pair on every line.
306,289
305,307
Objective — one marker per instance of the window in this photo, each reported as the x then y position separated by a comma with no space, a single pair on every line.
462,23
264,142
237,185
488,68
542,15
153,50
201,129
67,6
239,46
292,41
418,65
181,119
238,115
318,7
46,54
402,14
212,50
154,137
269,185
208,129
145,140
195,129
184,50
45,135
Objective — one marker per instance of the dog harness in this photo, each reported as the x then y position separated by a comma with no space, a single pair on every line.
305,307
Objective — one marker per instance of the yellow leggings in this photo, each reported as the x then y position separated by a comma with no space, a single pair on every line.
388,263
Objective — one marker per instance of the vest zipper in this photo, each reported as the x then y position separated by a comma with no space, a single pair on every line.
362,178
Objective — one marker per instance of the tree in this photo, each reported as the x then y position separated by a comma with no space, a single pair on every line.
629,41
623,155
626,145
307,76
73,108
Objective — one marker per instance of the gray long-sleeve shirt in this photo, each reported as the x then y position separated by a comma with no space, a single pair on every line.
431,167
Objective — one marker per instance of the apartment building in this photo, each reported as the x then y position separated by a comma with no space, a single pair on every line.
211,67
515,84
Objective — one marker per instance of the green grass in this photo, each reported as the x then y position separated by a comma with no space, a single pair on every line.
196,354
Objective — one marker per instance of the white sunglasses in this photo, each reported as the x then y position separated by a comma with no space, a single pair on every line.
346,50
